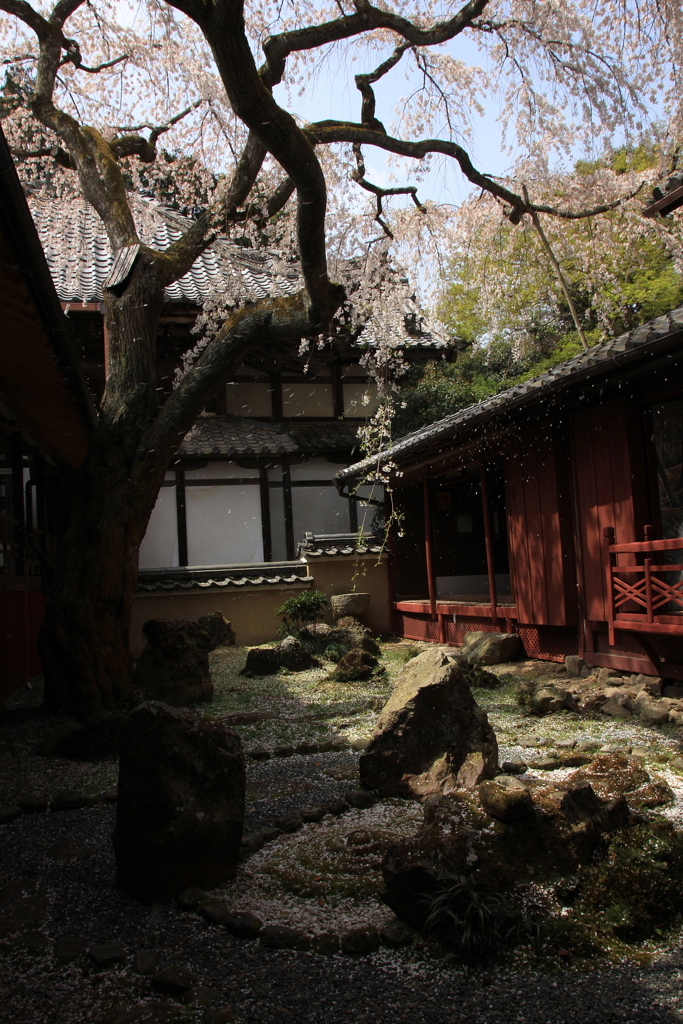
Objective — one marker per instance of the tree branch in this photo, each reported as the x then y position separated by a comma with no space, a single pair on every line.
405,190
366,19
364,84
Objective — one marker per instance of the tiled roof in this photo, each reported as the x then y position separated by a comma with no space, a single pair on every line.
334,544
274,574
601,360
313,437
237,436
80,257
80,260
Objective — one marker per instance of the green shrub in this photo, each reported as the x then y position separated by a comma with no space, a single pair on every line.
479,678
302,610
637,888
525,692
473,924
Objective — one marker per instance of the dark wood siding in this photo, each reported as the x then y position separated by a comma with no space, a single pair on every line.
539,522
612,489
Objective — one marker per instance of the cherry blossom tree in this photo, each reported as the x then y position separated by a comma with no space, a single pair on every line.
219,79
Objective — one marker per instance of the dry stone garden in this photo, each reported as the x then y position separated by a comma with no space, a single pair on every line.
382,805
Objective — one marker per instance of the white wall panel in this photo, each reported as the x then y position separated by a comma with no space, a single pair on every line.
354,396
318,510
223,525
159,548
277,523
317,468
249,399
307,400
220,471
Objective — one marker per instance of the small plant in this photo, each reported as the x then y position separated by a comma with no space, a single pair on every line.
473,924
410,653
301,611
525,693
479,678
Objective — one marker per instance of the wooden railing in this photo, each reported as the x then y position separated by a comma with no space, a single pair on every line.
641,594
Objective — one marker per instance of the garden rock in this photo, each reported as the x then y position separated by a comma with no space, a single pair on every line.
174,664
218,630
505,798
67,948
355,665
294,656
280,936
180,807
432,736
262,661
349,604
556,834
107,954
243,924
574,665
551,698
482,648
396,933
173,980
360,941
653,712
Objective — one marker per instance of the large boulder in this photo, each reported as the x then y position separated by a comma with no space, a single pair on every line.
508,833
180,806
266,661
482,648
219,631
174,664
349,604
356,665
294,656
432,736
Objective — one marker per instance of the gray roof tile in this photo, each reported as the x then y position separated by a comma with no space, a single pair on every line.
235,436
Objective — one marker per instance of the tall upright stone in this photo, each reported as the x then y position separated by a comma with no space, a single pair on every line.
180,808
432,737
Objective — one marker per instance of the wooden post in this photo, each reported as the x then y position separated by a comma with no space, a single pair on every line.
17,465
648,590
431,584
648,533
181,515
608,534
289,515
488,537
265,515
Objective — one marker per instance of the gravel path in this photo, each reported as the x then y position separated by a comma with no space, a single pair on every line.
57,878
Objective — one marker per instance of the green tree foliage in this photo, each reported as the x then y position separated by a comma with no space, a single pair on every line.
506,306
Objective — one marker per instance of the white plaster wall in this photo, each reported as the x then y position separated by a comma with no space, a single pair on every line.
277,523
220,471
307,400
354,393
159,548
318,510
317,468
223,525
252,399
366,513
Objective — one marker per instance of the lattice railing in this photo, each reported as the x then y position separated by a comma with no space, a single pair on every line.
644,588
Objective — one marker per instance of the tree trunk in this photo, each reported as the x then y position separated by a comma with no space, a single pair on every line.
84,640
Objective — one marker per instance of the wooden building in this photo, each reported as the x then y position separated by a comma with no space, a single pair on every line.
256,473
554,509
46,417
